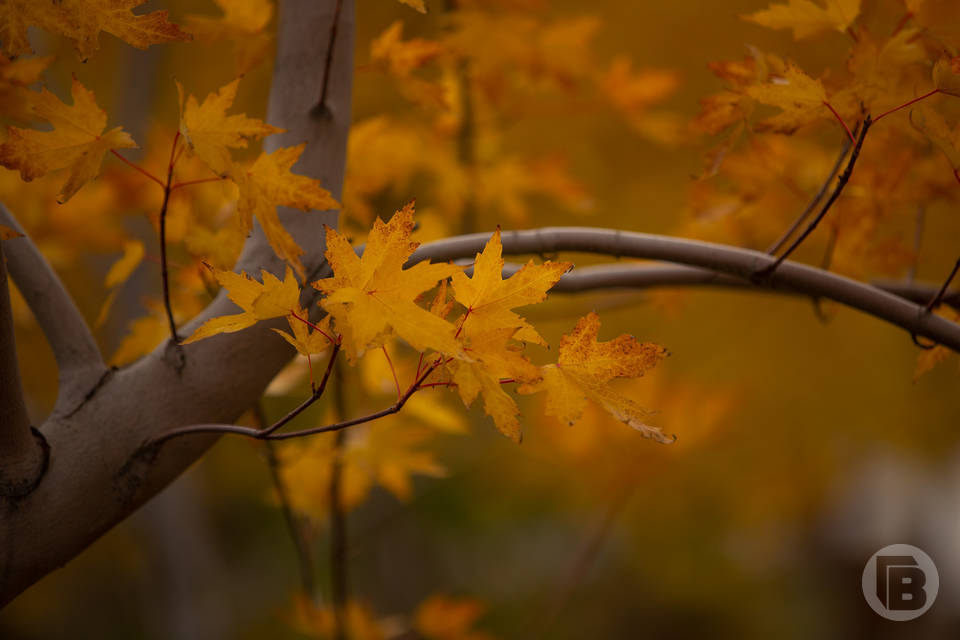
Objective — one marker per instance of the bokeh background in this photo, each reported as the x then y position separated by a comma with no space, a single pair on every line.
805,443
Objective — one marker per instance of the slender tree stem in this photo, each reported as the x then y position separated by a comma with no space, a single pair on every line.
937,299
163,240
838,189
814,201
339,581
293,523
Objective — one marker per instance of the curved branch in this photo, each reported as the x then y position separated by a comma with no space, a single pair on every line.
78,357
22,461
644,276
744,264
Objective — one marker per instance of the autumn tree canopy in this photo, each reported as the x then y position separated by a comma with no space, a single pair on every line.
339,227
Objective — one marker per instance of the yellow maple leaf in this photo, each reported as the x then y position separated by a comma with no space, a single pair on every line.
15,77
487,360
77,141
211,133
933,125
260,301
268,183
808,18
373,296
490,299
584,370
305,340
82,21
802,99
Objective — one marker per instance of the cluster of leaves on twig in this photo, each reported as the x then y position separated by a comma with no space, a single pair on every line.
454,327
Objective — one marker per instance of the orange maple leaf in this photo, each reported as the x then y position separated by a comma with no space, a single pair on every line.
490,299
82,21
306,341
584,370
77,141
273,298
807,18
372,297
801,98
268,183
211,133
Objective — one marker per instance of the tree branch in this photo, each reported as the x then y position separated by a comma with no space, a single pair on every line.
79,362
22,458
95,480
650,276
732,261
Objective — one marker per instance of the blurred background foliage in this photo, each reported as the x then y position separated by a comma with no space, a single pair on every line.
804,442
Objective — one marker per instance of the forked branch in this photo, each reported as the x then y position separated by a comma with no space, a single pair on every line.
78,357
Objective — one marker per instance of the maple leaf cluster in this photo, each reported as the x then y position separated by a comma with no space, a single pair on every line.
372,298
756,181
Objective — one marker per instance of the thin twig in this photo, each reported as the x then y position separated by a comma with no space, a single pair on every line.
163,241
937,299
328,62
339,583
396,381
293,523
838,189
261,434
814,201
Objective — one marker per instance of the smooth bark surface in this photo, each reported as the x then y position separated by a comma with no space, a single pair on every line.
92,482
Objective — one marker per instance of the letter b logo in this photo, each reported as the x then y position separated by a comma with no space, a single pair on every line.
900,582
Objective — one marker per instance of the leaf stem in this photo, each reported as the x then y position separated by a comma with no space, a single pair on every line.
188,183
137,167
396,382
836,115
907,104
